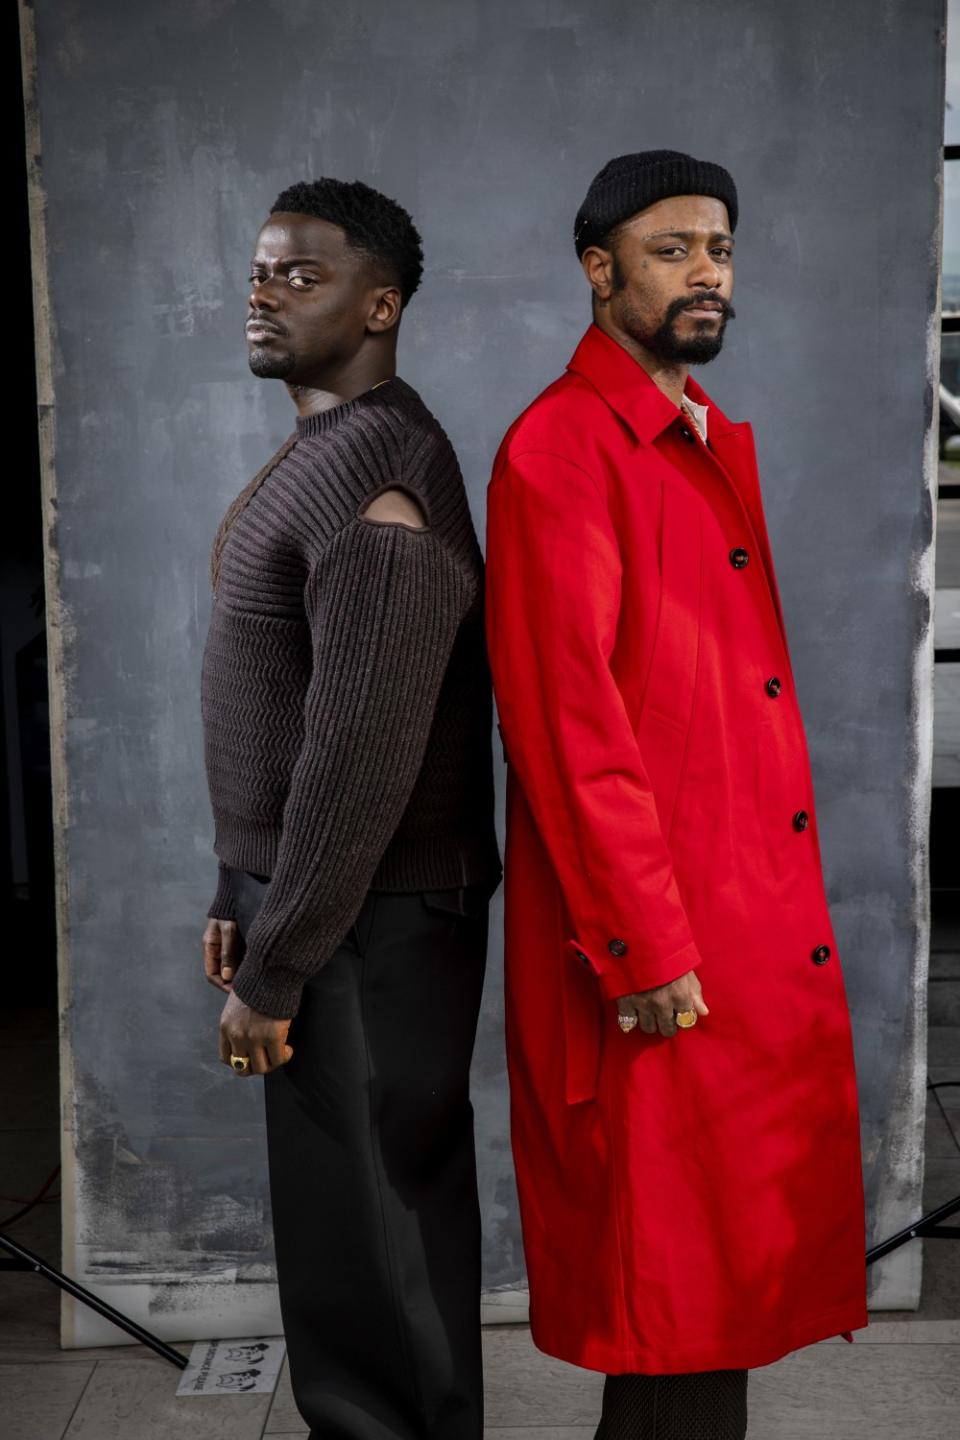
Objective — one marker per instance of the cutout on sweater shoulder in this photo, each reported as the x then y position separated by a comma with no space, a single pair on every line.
394,507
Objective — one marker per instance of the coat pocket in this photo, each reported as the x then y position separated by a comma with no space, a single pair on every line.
582,1027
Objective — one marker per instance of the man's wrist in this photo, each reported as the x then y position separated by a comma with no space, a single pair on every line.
625,974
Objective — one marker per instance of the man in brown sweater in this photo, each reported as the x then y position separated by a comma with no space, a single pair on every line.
346,707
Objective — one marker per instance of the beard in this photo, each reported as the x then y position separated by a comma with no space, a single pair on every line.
269,363
664,340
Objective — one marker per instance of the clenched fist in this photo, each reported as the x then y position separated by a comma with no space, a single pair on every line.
655,1009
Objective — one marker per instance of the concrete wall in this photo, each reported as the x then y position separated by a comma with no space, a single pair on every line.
159,135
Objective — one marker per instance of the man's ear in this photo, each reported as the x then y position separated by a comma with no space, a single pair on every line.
598,268
385,311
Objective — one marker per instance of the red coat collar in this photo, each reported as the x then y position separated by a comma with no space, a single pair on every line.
638,400
630,391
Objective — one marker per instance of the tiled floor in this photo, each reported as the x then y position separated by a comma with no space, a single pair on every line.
902,1374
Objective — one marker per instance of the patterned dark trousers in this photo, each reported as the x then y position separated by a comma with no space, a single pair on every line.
700,1405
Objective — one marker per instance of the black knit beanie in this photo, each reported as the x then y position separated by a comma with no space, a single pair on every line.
632,182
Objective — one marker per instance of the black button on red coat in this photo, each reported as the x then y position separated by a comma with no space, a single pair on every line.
800,820
821,955
581,956
617,947
738,557
773,686
686,432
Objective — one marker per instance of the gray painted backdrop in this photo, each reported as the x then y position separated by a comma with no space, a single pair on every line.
165,131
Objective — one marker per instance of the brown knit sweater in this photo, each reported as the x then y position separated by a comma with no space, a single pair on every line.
345,692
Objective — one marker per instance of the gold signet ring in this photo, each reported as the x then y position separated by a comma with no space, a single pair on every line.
240,1062
686,1018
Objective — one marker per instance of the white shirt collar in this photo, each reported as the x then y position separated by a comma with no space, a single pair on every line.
698,413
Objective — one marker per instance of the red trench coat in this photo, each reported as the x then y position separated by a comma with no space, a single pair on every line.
694,1202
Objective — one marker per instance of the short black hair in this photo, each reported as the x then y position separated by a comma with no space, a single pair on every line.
373,224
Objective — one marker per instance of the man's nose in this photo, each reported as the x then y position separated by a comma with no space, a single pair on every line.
706,273
263,295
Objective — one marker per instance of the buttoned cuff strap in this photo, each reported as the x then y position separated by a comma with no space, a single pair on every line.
619,972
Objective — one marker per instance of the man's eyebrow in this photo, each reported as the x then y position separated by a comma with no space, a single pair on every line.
688,235
294,260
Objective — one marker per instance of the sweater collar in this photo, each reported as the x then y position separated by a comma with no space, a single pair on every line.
631,392
323,421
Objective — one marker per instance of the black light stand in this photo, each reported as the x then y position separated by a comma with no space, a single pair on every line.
928,1227
25,1259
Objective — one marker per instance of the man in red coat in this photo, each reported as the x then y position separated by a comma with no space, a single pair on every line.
684,1105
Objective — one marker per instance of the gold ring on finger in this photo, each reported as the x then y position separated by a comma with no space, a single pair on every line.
240,1063
686,1018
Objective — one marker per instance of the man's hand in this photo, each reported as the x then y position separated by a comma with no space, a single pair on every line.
246,1032
242,1031
655,1008
222,952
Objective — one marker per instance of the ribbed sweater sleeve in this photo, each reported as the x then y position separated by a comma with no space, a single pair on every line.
384,603
223,906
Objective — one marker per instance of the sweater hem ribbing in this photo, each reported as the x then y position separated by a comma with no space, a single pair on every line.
436,863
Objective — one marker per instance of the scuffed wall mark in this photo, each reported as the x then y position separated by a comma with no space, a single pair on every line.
133,1189
60,628
894,1282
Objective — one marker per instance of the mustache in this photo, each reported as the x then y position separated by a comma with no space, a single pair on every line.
724,307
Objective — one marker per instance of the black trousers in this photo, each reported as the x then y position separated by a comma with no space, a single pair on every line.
372,1172
696,1405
